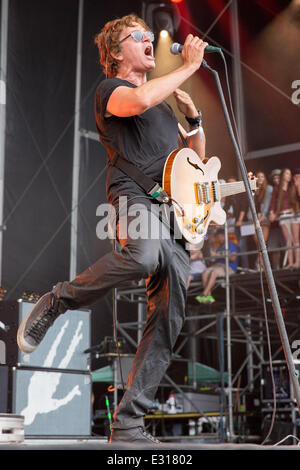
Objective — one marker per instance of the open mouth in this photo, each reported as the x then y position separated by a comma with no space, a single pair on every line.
148,51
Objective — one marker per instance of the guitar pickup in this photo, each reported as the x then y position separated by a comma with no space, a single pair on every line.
203,193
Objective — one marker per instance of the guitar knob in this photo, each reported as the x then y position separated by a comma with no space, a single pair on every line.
200,231
196,220
189,226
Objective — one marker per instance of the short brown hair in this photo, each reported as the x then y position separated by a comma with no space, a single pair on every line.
108,41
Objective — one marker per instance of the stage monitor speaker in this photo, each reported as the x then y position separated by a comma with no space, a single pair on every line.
283,391
63,346
53,403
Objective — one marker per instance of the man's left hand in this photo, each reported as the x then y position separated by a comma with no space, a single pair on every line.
185,103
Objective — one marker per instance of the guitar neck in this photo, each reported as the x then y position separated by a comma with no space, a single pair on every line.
228,189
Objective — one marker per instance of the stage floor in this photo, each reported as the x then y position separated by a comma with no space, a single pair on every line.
101,444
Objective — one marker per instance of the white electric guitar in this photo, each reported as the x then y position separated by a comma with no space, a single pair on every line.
196,193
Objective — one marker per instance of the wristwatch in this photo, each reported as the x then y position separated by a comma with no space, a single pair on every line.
195,122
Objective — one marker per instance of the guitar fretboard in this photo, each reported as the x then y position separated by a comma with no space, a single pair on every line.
236,187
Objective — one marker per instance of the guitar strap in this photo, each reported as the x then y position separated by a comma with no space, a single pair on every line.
151,187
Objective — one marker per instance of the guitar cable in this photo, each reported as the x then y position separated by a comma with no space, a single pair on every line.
178,205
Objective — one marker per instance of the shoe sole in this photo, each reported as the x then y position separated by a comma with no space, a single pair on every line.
130,437
206,302
22,343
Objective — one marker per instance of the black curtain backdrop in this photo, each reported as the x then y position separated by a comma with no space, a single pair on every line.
39,141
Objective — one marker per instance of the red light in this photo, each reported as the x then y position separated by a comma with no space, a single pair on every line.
176,1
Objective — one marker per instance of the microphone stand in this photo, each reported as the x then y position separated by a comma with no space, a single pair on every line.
266,262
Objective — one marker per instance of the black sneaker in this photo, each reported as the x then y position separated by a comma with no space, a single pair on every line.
34,327
133,435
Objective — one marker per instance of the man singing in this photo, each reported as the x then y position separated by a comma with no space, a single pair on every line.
134,123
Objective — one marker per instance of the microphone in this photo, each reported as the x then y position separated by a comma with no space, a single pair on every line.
176,48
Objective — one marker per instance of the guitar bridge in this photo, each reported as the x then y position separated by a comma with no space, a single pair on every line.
216,192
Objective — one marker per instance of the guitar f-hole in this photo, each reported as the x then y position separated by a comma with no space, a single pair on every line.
194,165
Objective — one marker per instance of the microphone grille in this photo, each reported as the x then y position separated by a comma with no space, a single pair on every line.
175,48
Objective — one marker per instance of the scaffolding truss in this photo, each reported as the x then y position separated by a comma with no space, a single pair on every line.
245,321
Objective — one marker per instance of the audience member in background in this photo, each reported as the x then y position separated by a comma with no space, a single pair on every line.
197,265
237,206
296,180
276,238
275,177
285,206
218,269
262,199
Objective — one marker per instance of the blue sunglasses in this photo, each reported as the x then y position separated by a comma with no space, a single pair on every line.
139,35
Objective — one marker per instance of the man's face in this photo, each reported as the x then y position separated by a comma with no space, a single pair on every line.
275,180
136,55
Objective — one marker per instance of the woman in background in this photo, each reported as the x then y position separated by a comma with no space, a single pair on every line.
262,200
285,206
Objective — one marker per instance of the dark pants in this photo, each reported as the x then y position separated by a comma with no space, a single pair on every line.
164,263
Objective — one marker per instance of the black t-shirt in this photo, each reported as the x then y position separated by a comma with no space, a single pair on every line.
145,140
238,202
